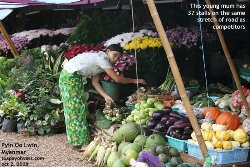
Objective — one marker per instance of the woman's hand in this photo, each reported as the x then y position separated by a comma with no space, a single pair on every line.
108,99
140,81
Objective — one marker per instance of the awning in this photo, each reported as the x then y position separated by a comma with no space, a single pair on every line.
6,6
4,13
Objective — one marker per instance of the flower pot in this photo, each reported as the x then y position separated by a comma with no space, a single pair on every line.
56,130
113,89
9,125
19,126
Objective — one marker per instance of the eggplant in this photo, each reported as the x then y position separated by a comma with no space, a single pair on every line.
171,121
176,115
166,117
185,137
177,126
180,131
161,126
151,124
158,114
167,109
182,120
176,135
187,130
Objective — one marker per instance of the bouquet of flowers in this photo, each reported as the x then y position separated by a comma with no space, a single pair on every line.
121,66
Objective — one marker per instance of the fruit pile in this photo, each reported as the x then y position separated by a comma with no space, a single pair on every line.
143,111
127,145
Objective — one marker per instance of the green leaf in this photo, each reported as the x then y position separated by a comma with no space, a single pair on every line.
41,131
46,117
31,129
38,122
57,64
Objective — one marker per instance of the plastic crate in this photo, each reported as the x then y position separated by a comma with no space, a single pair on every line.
222,156
185,163
192,89
132,107
176,143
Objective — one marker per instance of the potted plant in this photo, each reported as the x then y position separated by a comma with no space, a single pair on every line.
39,94
9,110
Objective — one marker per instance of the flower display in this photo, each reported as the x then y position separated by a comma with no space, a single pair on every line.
125,38
77,49
20,43
188,38
31,34
121,66
146,46
141,43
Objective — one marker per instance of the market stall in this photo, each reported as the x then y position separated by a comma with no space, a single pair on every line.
168,125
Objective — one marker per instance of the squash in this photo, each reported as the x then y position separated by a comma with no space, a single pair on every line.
227,145
206,126
217,143
240,136
231,120
211,112
207,135
222,135
231,132
245,145
216,127
209,144
235,144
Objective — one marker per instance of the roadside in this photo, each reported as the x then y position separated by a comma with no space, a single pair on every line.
39,151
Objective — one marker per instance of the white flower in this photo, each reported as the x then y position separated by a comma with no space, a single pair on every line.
1,112
52,59
55,101
47,55
20,113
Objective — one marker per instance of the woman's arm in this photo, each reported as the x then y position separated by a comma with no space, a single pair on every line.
98,87
120,79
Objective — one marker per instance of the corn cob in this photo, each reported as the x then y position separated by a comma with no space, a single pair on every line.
107,153
91,147
100,155
114,147
92,156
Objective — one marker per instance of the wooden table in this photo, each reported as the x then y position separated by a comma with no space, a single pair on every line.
192,160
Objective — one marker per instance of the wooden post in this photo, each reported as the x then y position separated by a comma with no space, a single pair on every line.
229,60
177,77
8,40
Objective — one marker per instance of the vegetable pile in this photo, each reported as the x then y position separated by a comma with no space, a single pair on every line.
171,123
219,137
144,110
115,113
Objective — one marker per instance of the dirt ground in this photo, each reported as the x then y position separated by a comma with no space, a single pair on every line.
39,151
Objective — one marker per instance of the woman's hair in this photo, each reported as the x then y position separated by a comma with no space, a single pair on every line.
115,47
